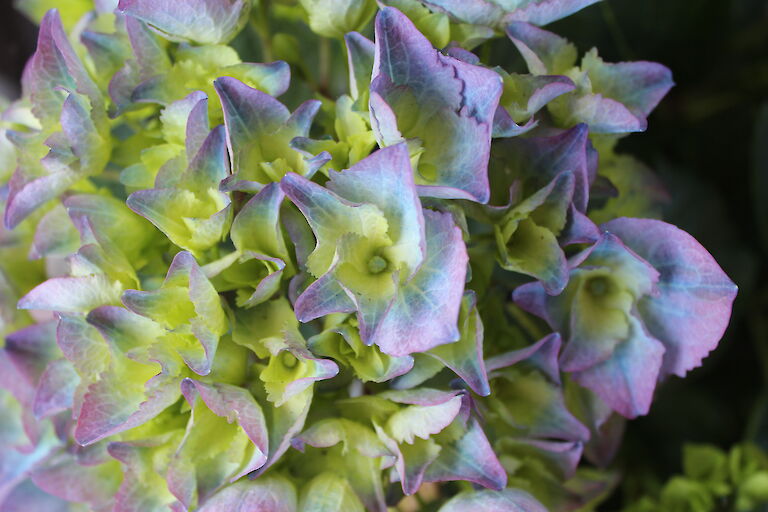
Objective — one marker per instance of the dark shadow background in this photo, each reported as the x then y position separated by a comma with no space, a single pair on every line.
708,142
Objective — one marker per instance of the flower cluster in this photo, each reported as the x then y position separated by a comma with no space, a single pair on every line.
432,270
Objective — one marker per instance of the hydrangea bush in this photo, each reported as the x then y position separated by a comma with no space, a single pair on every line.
418,281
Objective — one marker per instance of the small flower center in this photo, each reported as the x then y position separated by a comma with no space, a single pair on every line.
377,265
598,286
287,359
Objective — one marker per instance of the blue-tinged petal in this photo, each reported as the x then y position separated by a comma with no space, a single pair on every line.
201,21
603,298
508,500
445,103
627,379
465,357
693,306
538,160
542,12
639,86
323,297
425,311
470,458
544,52
494,13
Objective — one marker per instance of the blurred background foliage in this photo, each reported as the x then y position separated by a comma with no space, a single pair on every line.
708,144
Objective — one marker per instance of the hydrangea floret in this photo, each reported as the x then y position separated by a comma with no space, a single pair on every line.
413,274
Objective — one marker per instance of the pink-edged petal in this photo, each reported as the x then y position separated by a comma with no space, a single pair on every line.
64,477
425,311
24,198
266,494
235,404
72,294
693,307
107,410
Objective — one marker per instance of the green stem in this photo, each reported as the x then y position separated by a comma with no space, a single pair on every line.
525,322
261,23
324,78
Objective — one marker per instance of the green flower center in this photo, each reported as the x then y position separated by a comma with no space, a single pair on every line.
377,264
287,359
598,286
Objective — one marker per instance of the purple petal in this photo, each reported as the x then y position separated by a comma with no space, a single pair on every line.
457,102
248,112
692,309
24,198
426,309
55,65
323,297
201,21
